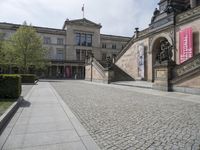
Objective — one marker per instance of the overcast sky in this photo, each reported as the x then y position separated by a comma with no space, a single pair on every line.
118,17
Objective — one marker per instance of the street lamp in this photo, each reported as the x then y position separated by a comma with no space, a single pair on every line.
91,61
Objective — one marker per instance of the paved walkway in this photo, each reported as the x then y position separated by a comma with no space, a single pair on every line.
129,118
44,121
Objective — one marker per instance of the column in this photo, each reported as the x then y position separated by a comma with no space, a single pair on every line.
193,3
77,73
50,71
64,71
57,71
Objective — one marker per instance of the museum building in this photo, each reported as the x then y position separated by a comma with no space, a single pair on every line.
167,53
68,47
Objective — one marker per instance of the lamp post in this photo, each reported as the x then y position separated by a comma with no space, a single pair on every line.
92,56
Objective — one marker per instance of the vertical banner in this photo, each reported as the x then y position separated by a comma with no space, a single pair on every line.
186,44
140,60
68,72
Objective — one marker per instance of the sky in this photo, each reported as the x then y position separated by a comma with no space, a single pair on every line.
117,17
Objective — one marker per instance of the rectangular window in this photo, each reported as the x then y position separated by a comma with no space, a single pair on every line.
89,40
89,52
59,54
103,45
78,54
83,54
103,56
78,39
60,41
114,46
83,39
47,40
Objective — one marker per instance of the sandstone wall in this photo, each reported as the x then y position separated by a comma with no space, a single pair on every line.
128,61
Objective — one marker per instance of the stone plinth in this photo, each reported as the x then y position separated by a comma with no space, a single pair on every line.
162,76
193,3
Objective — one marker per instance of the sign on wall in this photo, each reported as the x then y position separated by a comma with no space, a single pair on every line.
140,61
186,44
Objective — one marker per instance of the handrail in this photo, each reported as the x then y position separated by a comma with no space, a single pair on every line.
98,64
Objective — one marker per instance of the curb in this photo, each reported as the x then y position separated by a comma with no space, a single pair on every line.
87,140
5,118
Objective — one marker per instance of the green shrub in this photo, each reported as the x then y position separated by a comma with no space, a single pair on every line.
10,86
28,78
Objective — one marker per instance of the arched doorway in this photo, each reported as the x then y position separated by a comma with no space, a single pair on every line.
159,51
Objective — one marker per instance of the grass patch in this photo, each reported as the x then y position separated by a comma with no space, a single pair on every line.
5,104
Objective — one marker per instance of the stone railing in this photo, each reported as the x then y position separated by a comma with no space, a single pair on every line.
99,67
95,72
188,14
187,67
143,32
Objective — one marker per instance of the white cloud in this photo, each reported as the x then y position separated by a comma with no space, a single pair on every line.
118,17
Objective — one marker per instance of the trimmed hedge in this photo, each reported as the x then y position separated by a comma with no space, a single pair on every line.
28,78
10,86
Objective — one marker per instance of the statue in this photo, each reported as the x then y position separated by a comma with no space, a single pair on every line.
165,53
108,62
155,14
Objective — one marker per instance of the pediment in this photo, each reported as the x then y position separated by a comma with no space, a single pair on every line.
82,22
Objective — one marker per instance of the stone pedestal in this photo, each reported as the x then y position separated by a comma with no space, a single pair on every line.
109,75
193,3
162,76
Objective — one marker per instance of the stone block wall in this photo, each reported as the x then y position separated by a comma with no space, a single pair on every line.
128,61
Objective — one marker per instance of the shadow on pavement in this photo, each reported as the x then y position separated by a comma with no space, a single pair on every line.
25,103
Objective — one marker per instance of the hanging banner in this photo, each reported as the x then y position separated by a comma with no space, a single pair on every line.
186,44
140,60
68,72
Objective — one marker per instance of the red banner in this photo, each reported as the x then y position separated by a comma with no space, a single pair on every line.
68,72
186,45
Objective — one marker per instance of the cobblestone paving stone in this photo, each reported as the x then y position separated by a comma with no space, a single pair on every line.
120,119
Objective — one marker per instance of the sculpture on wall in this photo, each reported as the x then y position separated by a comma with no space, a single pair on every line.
165,52
155,14
108,62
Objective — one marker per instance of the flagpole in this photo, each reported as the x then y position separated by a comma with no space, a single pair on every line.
83,10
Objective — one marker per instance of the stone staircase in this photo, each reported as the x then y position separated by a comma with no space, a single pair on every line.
186,70
186,76
120,75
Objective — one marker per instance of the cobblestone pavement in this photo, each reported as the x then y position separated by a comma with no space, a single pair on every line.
126,120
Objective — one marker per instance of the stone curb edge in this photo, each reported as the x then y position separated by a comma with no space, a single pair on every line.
9,113
81,131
